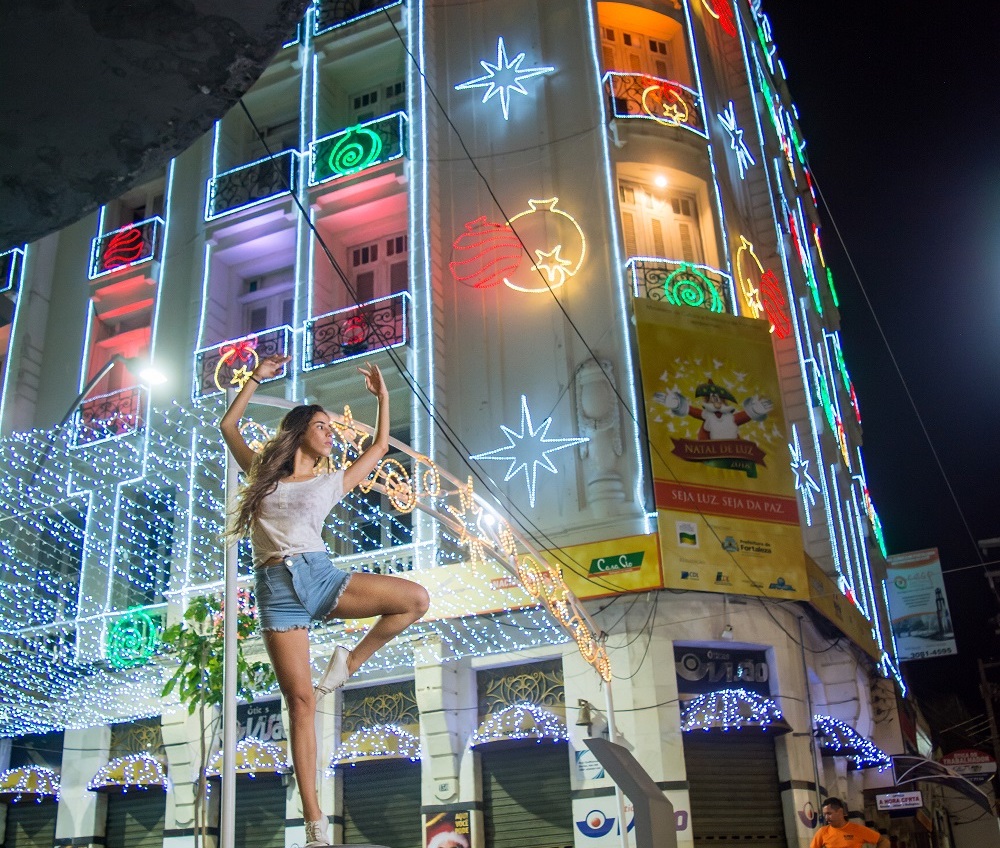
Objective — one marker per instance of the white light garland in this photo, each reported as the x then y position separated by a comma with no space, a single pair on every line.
133,771
33,782
380,741
252,755
840,739
520,721
732,709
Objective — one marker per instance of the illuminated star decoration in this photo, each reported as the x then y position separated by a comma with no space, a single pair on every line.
528,450
553,265
240,376
805,485
503,77
743,156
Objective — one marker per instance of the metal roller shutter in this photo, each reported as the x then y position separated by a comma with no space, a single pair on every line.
382,803
735,799
260,812
30,825
526,796
135,818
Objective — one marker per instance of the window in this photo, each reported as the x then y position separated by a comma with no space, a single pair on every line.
267,300
380,267
662,225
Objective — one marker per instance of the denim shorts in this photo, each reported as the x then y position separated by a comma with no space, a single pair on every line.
297,591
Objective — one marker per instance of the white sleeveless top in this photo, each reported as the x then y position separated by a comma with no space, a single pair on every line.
290,519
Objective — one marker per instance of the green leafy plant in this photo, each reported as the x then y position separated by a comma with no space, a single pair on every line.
196,643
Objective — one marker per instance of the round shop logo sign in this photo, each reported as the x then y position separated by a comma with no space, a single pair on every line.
899,583
597,824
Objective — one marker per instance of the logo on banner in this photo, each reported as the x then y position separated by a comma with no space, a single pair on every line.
596,824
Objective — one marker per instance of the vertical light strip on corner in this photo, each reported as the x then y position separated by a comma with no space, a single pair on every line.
81,379
892,636
202,317
618,266
420,233
866,562
308,87
14,327
723,230
860,587
168,214
848,572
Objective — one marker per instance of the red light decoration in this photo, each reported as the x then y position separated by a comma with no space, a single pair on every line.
485,254
774,303
124,247
723,13
354,331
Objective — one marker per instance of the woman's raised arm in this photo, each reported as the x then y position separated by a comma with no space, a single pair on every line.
379,447
230,423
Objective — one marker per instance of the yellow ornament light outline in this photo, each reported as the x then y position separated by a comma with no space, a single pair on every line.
751,292
672,115
240,375
557,271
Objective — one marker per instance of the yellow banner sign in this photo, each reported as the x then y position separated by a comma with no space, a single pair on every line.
723,485
610,567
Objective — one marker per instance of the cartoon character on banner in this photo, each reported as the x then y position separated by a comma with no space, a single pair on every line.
243,351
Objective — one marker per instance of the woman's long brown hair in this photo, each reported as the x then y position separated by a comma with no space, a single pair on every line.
275,461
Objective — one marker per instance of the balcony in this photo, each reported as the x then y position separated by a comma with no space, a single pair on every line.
353,150
356,330
126,247
330,14
109,416
666,102
681,283
228,365
11,268
251,184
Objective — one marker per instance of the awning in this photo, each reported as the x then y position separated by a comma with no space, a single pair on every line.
253,756
839,739
733,709
518,722
909,769
135,771
28,783
378,742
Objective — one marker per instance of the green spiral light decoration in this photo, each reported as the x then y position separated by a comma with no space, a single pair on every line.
132,639
356,150
687,286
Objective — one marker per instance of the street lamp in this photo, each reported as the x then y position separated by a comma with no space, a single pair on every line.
140,366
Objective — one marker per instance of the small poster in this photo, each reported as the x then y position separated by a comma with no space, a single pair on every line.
918,606
450,829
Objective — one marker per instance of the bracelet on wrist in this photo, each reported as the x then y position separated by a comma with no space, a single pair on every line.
255,379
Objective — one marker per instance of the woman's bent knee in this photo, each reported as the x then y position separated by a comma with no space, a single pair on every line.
420,600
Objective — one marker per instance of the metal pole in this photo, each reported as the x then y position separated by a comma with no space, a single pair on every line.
809,706
609,707
227,823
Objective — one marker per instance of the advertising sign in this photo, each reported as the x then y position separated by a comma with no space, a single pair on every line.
723,483
918,606
596,820
975,766
610,567
899,801
701,670
448,830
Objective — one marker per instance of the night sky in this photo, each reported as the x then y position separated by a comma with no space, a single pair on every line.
900,108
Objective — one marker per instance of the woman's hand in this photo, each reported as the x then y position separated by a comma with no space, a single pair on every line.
269,366
373,380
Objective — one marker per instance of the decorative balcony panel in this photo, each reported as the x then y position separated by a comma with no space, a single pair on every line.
110,416
666,102
230,364
126,247
253,183
330,14
357,148
356,330
681,283
11,269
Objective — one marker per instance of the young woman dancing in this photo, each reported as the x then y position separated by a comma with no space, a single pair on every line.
289,492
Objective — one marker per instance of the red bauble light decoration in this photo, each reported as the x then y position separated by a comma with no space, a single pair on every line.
484,254
774,304
123,247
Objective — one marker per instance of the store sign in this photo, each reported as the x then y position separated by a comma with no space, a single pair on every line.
975,766
918,606
261,720
899,801
701,670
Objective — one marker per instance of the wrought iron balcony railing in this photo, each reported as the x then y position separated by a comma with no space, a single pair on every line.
356,330
681,283
330,14
230,364
109,416
126,247
667,102
356,148
253,183
11,268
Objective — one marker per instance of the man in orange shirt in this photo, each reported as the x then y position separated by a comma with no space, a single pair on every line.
838,832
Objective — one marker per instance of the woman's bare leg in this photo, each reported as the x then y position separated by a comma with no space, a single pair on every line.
289,654
398,602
